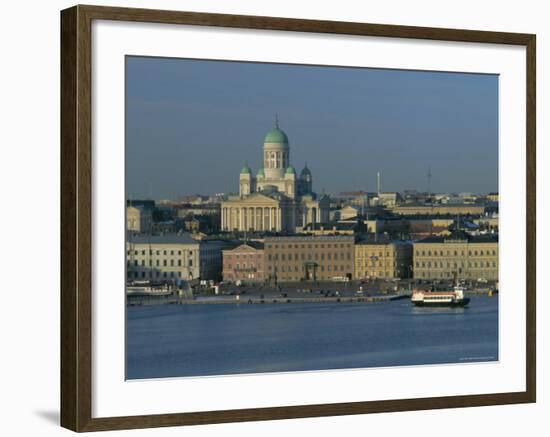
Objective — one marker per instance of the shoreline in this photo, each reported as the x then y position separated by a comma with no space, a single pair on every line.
257,300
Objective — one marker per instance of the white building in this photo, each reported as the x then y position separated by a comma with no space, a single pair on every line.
172,257
138,219
276,199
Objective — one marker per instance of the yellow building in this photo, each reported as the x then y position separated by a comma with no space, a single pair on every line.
388,259
309,258
493,197
471,257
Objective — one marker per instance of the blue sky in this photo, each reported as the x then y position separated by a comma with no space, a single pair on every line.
190,125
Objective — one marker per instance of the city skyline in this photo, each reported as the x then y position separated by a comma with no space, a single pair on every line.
388,121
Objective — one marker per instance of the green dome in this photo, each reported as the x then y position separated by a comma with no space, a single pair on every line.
306,171
290,170
261,172
246,169
276,135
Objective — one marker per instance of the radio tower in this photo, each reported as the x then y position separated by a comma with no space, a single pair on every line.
429,175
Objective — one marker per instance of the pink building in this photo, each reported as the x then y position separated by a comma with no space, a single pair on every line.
245,263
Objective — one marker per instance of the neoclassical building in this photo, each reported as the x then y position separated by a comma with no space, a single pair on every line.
276,199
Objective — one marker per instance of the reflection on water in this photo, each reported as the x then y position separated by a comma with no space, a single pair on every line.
194,340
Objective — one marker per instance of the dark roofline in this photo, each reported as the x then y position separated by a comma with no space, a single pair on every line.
491,238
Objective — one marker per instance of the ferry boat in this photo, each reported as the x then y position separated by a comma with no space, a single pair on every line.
452,298
139,288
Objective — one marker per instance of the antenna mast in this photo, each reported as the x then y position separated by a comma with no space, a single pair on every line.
429,175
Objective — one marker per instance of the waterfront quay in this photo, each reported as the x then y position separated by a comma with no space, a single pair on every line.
298,292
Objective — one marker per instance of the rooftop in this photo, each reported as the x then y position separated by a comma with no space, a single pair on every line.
461,236
346,238
184,238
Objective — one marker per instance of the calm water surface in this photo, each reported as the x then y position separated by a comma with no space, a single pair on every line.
195,340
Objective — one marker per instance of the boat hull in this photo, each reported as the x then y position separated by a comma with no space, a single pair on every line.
458,303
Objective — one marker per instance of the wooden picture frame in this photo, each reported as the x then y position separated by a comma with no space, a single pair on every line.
76,217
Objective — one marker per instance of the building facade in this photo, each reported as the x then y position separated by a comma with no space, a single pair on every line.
172,257
431,210
245,263
386,260
276,199
139,219
471,257
305,258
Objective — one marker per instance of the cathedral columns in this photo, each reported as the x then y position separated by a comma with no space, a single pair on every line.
261,211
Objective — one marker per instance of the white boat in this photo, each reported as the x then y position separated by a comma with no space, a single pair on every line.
452,298
148,290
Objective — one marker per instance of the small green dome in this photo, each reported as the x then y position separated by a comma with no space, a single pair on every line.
290,170
306,171
261,172
246,169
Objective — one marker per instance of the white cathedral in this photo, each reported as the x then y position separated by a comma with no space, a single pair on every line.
276,199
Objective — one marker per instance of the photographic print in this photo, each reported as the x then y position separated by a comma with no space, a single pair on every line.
284,217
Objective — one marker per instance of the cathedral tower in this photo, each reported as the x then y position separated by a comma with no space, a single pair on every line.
276,153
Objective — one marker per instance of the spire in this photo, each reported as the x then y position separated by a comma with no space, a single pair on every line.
276,121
